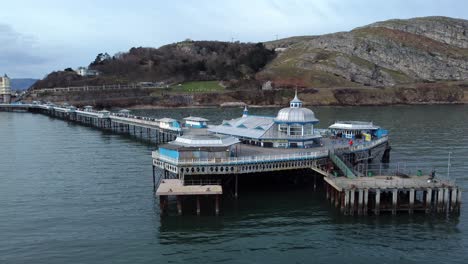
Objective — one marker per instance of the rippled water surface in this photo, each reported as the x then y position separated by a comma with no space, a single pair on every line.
73,194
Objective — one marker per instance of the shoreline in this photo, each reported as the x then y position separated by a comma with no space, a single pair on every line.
411,94
154,107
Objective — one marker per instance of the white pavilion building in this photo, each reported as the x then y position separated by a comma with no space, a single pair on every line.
293,127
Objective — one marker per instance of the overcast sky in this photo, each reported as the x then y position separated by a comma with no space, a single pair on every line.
38,37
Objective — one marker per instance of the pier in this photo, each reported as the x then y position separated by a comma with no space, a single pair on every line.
390,191
341,161
198,161
151,129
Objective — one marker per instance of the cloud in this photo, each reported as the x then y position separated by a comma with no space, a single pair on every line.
18,53
52,34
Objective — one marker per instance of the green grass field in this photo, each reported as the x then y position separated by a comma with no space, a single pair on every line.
197,87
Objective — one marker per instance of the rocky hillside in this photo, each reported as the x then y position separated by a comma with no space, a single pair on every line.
428,49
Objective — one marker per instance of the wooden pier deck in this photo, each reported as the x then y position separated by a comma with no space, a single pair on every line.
363,195
177,188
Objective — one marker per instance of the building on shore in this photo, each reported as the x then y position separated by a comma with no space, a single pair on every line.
293,127
5,90
85,72
267,86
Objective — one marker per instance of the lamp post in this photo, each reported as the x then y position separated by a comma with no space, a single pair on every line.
448,164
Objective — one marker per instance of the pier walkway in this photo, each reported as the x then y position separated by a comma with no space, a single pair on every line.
152,129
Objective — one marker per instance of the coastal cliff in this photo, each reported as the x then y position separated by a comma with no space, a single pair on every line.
382,54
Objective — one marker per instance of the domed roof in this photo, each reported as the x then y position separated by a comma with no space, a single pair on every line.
295,113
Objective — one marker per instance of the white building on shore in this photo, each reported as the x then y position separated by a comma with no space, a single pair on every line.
5,90
83,71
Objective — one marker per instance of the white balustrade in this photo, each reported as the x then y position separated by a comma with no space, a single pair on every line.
245,159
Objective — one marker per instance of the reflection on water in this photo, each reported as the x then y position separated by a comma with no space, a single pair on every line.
80,195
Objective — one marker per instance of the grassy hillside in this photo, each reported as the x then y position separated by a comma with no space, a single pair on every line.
190,88
197,87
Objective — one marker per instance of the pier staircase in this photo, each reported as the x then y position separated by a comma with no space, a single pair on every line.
342,166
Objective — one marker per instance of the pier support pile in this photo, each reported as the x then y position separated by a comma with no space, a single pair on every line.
391,196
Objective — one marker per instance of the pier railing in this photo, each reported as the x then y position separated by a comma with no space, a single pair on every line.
390,182
358,145
264,158
202,182
368,145
153,122
243,160
403,169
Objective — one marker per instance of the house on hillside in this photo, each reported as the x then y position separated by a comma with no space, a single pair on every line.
266,86
83,71
280,49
